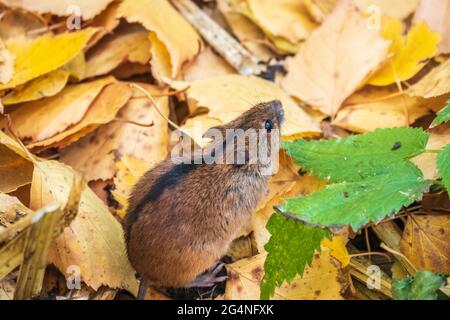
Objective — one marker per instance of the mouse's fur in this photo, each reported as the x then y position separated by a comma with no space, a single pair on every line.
183,217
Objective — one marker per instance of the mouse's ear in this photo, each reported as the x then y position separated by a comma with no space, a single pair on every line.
214,132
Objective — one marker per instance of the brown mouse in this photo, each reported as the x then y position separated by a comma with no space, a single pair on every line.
183,217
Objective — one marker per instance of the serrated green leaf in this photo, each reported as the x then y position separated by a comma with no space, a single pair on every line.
423,286
443,164
290,249
442,116
357,157
358,203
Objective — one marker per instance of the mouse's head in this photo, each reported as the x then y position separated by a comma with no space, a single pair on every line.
252,138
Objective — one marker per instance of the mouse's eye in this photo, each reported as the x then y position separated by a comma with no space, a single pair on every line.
268,125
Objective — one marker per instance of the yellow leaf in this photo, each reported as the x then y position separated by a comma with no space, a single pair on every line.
129,170
44,118
84,8
409,53
436,13
46,86
426,242
18,23
6,64
95,154
337,250
287,19
94,244
319,282
389,112
335,61
129,43
33,58
178,36
399,9
103,110
319,9
207,65
435,83
16,169
227,97
11,210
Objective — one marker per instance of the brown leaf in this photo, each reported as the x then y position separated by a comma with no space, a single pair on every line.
426,242
335,61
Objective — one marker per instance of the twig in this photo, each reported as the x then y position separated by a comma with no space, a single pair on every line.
135,123
224,44
398,254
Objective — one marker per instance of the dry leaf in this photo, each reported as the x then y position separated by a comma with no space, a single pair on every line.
85,8
106,22
102,110
426,242
335,61
434,84
94,243
11,210
319,282
19,23
6,64
436,13
207,65
390,112
42,119
95,155
399,9
282,18
129,170
409,53
178,37
33,59
439,138
229,96
15,170
46,86
130,43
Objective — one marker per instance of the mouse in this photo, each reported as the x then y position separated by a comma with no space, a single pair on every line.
182,217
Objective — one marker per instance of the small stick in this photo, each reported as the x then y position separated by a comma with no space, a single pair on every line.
398,254
134,122
224,44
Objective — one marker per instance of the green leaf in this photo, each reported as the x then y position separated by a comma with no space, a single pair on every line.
442,116
443,164
423,286
290,249
355,158
358,203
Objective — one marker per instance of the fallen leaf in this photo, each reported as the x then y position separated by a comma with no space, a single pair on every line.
319,9
178,37
391,112
319,282
399,9
130,43
105,22
436,13
335,61
94,243
95,155
129,170
102,110
16,169
207,65
439,138
283,18
6,64
426,242
409,53
32,56
87,9
42,119
45,86
435,83
227,97
11,210
19,23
